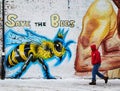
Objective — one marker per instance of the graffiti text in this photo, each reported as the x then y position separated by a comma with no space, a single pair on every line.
57,22
12,22
40,24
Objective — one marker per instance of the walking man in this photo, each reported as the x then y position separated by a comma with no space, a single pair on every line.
96,62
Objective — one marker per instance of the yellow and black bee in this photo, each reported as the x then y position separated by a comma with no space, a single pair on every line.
31,52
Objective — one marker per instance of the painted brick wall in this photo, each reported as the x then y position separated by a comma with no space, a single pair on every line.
45,17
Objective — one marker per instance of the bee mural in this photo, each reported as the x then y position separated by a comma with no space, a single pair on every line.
31,47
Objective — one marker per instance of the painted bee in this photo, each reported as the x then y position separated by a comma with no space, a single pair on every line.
27,52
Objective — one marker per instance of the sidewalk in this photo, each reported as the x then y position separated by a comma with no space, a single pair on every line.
58,85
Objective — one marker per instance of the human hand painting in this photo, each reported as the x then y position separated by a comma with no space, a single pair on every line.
99,27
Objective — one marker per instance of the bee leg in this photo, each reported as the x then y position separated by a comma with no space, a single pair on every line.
18,75
46,72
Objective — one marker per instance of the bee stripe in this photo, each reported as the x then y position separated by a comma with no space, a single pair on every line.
26,49
10,61
32,49
18,57
14,58
21,52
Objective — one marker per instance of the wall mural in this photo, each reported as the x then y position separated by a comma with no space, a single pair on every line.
23,50
44,32
99,28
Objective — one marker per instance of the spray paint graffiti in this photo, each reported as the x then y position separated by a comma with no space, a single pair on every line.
57,22
26,49
12,22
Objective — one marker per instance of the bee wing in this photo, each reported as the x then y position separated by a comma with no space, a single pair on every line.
34,37
13,37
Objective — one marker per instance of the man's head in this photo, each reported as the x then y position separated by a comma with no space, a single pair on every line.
93,47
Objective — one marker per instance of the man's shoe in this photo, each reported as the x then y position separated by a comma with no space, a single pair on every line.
106,79
92,83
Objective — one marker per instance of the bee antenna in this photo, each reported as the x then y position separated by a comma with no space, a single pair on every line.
61,34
